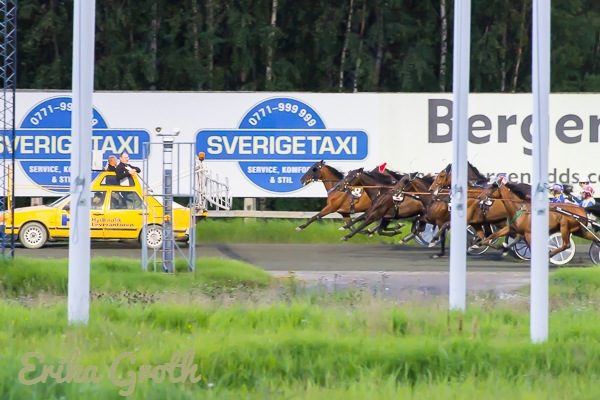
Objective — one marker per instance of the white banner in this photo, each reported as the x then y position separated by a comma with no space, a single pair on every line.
264,142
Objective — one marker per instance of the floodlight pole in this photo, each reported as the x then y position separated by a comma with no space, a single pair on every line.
539,200
458,218
81,150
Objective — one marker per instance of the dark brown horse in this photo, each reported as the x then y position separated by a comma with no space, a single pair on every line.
563,217
408,198
387,207
344,202
377,186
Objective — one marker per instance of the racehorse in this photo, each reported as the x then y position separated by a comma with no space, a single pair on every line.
563,217
483,214
395,203
436,213
443,180
376,185
341,201
475,217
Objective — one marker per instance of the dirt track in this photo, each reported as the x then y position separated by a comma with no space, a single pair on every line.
399,271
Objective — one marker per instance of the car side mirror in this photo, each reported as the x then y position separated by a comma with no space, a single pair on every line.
67,207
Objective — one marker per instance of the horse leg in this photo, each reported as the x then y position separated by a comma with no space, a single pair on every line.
564,234
387,231
381,226
354,221
442,252
440,233
328,209
499,233
347,220
507,244
407,238
417,227
367,220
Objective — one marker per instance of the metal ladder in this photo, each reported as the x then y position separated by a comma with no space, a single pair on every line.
168,245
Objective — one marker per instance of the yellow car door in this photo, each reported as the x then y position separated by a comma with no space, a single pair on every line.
123,217
97,208
96,216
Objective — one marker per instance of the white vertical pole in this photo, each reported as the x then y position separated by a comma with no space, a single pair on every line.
460,88
81,150
539,202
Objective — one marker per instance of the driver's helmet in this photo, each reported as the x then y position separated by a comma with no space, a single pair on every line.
501,179
588,189
584,179
557,188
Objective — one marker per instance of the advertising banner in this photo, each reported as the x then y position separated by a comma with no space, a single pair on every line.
264,142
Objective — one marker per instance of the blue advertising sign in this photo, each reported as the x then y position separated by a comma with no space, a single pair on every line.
277,142
42,143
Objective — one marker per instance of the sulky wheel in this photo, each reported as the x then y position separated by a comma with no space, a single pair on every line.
562,258
521,249
595,253
471,238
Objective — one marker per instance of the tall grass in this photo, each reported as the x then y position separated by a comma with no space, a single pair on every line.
250,230
310,351
328,348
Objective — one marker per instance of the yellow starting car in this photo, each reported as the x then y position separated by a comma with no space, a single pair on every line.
117,212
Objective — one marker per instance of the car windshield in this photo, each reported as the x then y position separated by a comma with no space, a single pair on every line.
57,202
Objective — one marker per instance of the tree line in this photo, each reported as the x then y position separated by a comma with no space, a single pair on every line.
302,45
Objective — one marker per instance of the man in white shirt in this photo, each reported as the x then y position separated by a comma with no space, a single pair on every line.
124,169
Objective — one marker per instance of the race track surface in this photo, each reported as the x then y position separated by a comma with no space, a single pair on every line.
399,271
318,257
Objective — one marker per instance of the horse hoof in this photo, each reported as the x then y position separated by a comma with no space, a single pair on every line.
344,239
342,228
371,235
298,228
432,244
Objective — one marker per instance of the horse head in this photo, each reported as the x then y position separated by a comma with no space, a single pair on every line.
490,193
353,177
441,181
313,174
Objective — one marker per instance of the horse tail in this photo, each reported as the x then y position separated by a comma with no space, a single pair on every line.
595,210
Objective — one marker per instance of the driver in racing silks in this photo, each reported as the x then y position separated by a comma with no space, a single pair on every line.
557,194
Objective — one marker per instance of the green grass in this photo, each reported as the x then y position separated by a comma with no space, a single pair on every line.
251,230
30,276
310,346
310,351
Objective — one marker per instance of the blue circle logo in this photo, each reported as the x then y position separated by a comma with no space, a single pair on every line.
278,140
43,142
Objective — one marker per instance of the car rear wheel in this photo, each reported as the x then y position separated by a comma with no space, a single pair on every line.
33,235
154,236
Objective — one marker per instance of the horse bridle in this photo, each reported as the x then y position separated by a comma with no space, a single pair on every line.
486,203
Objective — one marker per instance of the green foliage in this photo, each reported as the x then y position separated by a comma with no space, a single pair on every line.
223,45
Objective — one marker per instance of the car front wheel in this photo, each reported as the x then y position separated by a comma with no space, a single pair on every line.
154,236
33,235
